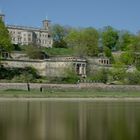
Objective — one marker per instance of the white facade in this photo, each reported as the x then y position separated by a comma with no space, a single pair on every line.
29,35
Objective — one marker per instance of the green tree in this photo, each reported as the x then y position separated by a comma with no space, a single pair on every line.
110,38
135,44
74,41
108,53
127,57
118,72
34,52
5,40
84,41
60,44
70,76
125,40
100,75
133,78
59,33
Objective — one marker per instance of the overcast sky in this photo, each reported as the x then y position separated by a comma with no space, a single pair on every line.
121,14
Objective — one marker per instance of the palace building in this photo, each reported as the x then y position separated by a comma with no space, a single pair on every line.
51,66
23,35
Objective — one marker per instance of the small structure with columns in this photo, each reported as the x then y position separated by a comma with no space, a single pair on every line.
80,68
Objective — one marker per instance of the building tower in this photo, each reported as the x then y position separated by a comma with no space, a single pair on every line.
46,24
2,16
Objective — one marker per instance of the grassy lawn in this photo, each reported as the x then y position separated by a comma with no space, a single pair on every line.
68,93
59,51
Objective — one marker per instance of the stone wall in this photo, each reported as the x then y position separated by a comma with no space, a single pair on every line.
49,67
95,86
57,66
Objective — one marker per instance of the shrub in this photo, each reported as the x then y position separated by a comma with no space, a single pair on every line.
19,74
133,78
100,76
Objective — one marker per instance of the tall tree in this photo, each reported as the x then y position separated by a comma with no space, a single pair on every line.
5,40
34,52
59,32
135,44
110,37
84,41
125,40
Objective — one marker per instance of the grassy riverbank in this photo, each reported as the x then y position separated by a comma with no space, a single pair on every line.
67,93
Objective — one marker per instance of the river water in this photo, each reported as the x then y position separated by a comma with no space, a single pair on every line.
69,120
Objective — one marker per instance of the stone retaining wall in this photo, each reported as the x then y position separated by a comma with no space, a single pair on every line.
98,86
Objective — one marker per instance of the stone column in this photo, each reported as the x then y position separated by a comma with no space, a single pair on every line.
80,69
104,61
84,69
74,66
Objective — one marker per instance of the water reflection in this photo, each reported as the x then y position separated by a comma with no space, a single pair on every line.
69,120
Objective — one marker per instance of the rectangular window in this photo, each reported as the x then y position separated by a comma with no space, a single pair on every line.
29,39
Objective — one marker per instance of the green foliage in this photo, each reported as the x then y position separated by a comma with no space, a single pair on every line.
133,78
118,65
9,73
34,52
59,44
118,72
125,41
17,47
59,33
71,76
100,76
135,44
84,41
24,78
127,58
5,40
18,74
59,51
137,65
64,80
31,70
74,40
108,53
129,42
110,38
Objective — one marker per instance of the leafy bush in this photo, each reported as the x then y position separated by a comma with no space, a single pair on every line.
63,80
34,52
100,76
133,78
18,74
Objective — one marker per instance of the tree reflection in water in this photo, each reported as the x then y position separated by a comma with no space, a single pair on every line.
69,120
